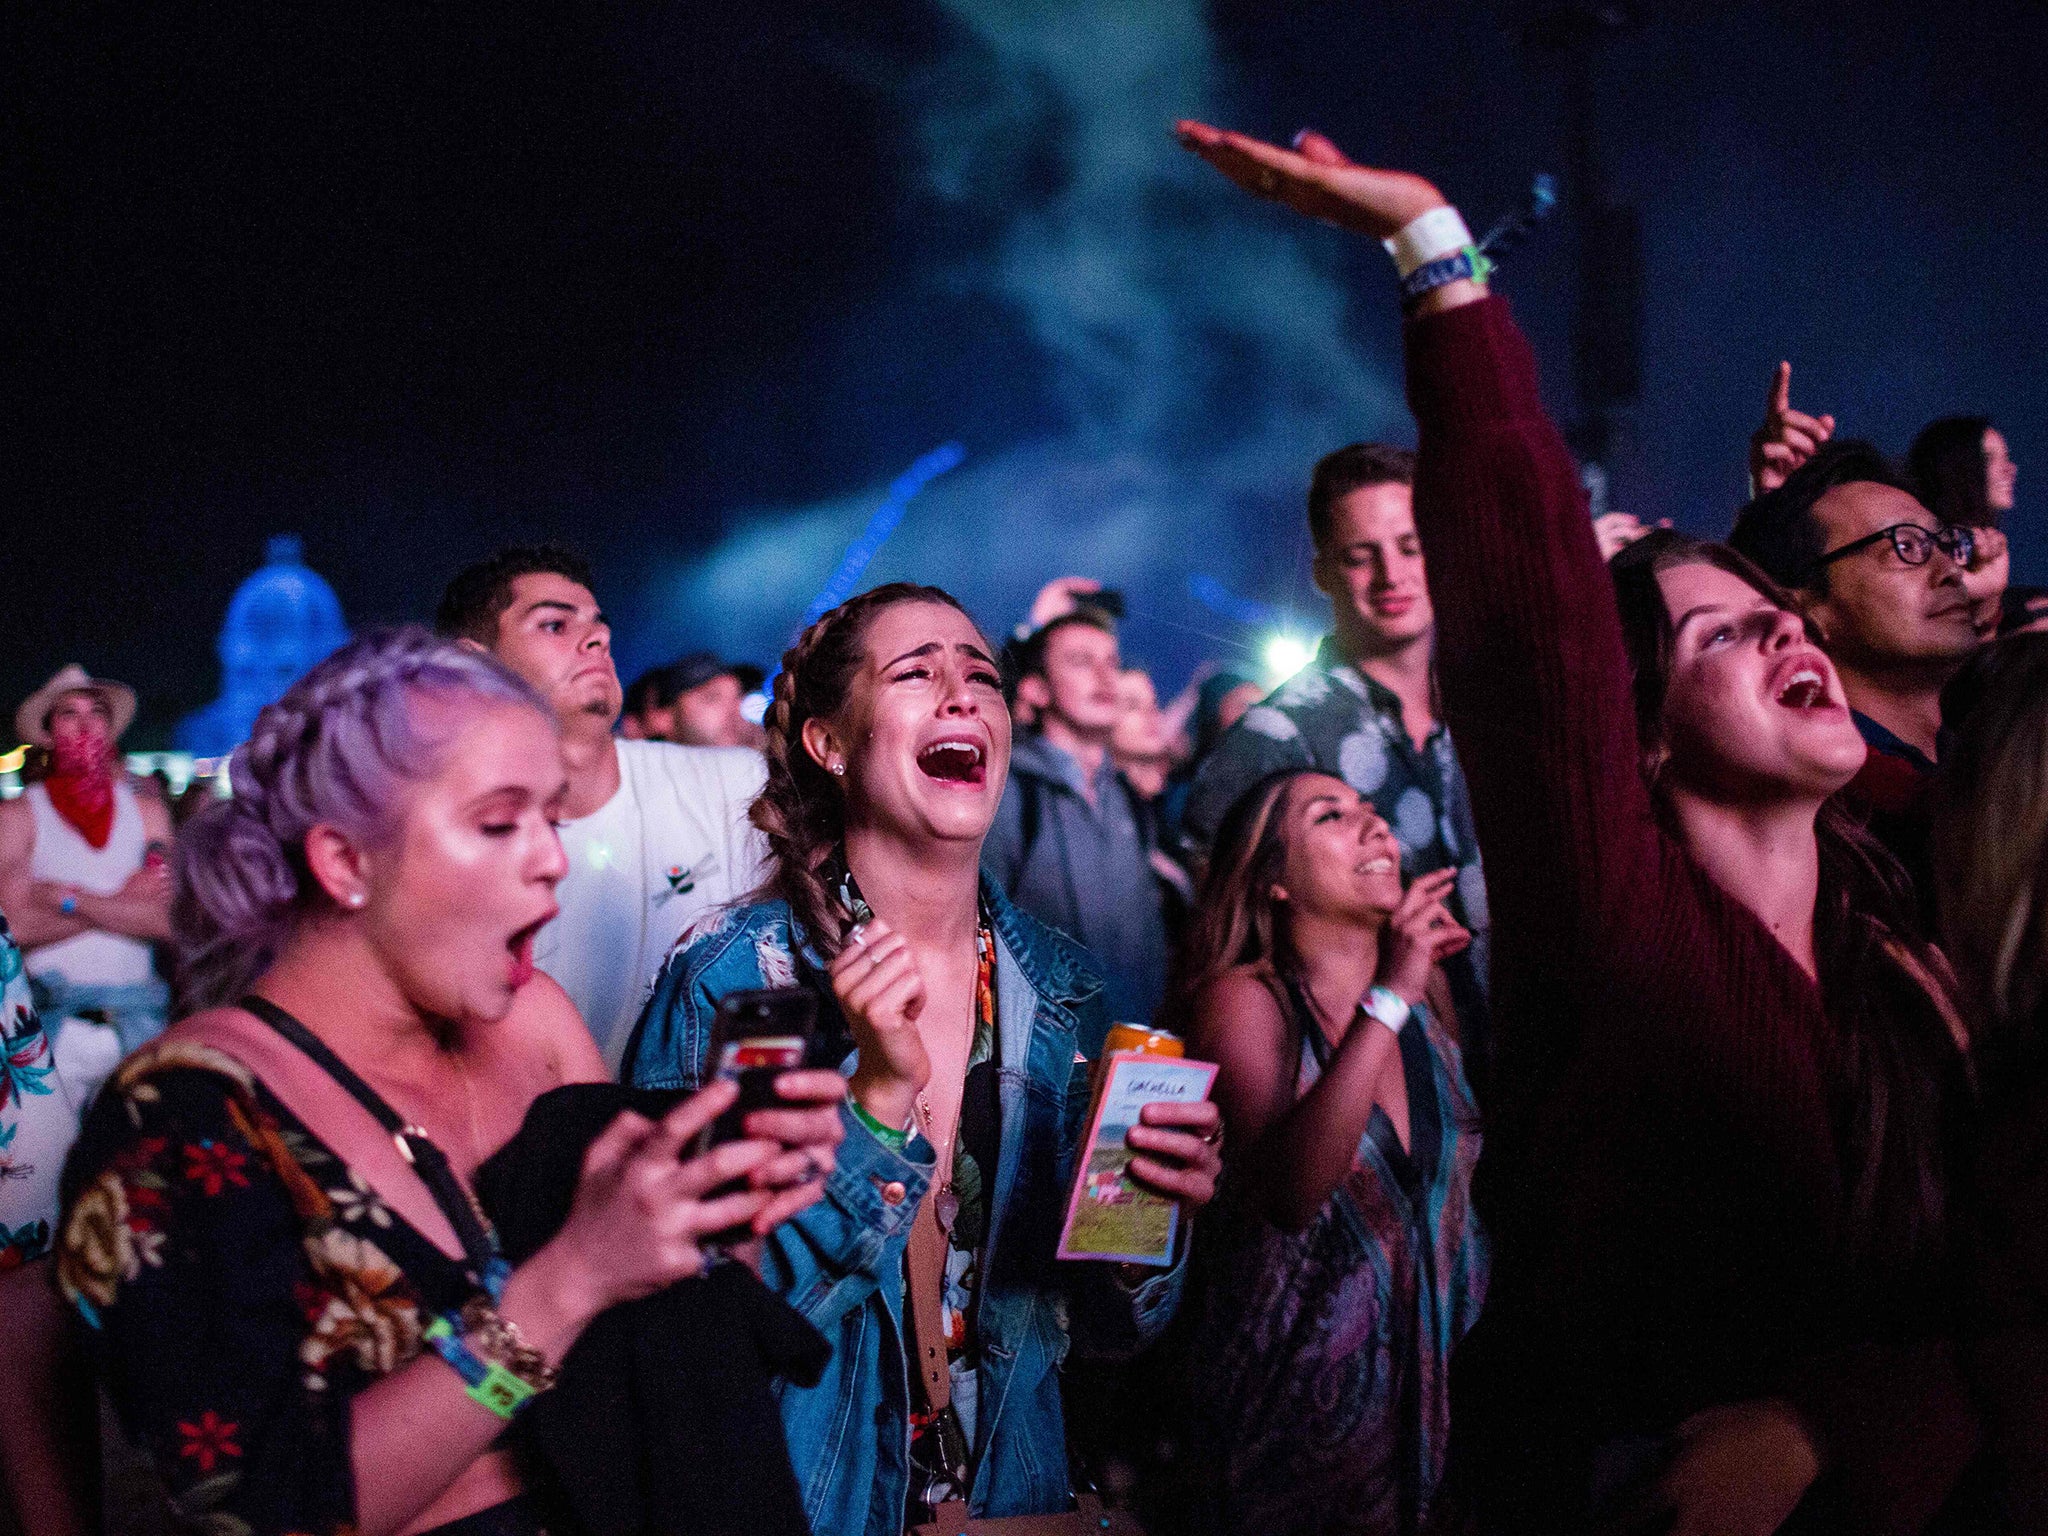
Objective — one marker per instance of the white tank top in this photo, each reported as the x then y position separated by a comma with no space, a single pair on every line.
63,855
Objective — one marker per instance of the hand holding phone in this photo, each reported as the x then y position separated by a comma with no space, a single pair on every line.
756,1036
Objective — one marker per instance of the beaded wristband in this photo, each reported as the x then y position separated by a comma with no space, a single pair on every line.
487,1383
895,1140
1470,262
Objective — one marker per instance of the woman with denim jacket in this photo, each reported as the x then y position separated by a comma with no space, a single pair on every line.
888,745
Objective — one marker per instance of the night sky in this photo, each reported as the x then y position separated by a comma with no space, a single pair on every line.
668,280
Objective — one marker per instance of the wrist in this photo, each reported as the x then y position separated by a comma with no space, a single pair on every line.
889,1101
553,1297
1388,1005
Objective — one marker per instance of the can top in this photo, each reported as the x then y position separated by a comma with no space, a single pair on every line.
1143,1039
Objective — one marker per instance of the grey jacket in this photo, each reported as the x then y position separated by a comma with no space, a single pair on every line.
1085,870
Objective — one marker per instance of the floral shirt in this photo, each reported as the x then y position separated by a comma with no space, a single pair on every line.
1333,718
964,1203
241,1283
38,1118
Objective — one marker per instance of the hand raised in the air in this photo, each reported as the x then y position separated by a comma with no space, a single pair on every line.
1787,439
1316,178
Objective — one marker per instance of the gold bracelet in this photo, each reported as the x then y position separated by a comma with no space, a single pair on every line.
497,1339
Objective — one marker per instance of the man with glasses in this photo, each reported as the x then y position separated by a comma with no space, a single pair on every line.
1880,578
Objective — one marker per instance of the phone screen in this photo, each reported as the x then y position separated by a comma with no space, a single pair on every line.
755,1038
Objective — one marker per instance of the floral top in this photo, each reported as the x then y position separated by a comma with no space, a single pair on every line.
963,1209
241,1283
1332,717
37,1118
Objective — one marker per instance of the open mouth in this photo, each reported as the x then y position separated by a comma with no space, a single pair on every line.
1378,866
957,761
1804,689
520,945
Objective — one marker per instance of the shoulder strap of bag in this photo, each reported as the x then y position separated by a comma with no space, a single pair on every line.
479,1243
326,1109
925,1276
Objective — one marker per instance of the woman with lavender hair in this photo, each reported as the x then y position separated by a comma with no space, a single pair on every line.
303,1318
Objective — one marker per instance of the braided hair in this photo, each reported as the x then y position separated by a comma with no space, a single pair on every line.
802,809
334,751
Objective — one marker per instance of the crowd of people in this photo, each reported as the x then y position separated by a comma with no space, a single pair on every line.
1622,955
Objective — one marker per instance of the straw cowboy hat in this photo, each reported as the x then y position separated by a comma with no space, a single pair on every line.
32,720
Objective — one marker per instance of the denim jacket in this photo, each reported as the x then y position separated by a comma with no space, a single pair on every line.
840,1263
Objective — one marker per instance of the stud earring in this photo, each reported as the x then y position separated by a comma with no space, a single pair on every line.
355,898
839,769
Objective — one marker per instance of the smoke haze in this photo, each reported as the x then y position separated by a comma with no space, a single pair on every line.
1197,347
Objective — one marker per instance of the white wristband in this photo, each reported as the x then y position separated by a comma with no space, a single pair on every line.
1428,237
1387,1006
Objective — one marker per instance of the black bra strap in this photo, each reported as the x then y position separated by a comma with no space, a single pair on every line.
1306,1021
479,1243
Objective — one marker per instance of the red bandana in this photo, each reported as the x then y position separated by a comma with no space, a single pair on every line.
81,790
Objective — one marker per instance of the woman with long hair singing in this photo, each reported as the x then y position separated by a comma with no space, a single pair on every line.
1344,1260
1717,1167
888,745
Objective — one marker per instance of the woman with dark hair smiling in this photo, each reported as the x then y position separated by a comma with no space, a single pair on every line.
1344,1261
1717,1166
888,746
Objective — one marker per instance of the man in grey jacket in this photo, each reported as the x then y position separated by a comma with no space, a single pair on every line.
1072,842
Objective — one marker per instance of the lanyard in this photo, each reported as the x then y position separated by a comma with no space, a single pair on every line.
479,1243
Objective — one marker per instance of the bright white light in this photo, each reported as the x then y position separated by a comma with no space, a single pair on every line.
1284,655
754,708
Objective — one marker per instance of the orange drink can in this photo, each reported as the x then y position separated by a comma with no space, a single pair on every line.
1142,1038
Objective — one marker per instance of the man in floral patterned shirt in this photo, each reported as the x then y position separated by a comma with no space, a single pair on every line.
1365,708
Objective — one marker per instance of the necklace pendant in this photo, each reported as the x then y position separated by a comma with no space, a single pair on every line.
947,1208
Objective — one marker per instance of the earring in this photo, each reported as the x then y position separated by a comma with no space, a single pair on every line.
839,769
355,898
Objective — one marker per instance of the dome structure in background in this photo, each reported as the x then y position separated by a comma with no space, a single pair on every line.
280,622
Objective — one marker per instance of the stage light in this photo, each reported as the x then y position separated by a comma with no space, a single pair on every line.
1285,655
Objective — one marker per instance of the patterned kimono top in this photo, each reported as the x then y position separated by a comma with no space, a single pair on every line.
38,1117
1319,1369
240,1283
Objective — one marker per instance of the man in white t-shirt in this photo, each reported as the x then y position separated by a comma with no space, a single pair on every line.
655,833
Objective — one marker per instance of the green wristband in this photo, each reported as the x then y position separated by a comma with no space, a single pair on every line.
485,1382
894,1140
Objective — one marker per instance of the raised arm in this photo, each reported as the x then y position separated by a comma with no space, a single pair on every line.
1529,647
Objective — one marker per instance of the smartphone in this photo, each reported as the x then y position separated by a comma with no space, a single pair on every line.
757,1036
1107,600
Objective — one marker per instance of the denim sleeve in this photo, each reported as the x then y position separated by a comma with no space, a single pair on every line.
830,1258
668,1046
1107,1318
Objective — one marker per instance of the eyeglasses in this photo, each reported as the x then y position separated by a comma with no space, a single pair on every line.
1912,543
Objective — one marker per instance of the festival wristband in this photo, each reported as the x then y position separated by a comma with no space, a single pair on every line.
486,1383
1388,1007
1428,237
894,1140
1470,262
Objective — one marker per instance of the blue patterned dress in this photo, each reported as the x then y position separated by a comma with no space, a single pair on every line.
1319,1371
